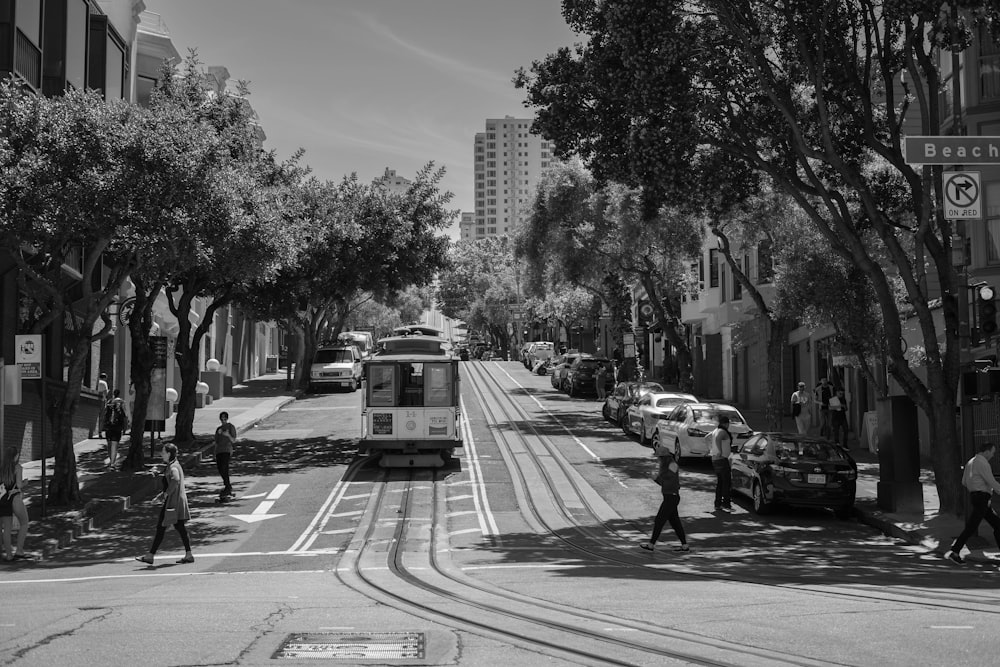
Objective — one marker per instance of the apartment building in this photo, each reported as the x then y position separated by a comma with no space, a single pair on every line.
466,227
508,162
393,181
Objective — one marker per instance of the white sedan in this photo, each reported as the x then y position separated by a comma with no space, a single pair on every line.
642,416
687,425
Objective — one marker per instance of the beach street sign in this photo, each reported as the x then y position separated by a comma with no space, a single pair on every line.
952,150
963,195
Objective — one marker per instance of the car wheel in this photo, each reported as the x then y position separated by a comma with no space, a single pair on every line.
760,504
606,413
844,512
626,426
571,389
643,440
618,417
354,384
677,449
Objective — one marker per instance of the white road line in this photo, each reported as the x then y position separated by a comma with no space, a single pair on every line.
340,515
263,507
465,497
360,496
337,494
337,532
463,532
487,522
462,513
278,490
570,433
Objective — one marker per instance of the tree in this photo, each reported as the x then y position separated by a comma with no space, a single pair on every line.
361,243
816,96
594,237
238,233
480,285
86,184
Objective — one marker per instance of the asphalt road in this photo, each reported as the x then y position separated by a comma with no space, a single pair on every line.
795,587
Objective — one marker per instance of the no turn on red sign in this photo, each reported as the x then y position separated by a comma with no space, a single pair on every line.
963,195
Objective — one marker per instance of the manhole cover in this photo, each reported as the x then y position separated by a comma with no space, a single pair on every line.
353,646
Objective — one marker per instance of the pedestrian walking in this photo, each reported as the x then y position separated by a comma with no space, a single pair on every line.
600,381
174,511
115,423
12,504
978,479
719,447
225,437
102,402
669,479
822,393
838,418
801,402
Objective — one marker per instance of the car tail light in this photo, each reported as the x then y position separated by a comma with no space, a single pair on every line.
696,432
782,471
848,474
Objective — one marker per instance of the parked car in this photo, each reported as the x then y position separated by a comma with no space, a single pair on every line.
623,395
539,350
796,470
561,370
687,425
338,366
642,416
581,376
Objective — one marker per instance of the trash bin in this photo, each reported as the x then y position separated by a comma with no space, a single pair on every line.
271,364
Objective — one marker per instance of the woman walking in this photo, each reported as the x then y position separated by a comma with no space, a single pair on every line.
670,485
175,506
12,504
801,405
115,423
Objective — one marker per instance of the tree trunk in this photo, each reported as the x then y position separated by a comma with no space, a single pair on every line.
777,338
947,456
64,487
186,400
305,352
141,371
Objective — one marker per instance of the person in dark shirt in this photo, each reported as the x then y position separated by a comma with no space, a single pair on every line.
822,394
670,485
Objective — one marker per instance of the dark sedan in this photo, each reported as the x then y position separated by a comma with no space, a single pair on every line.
625,394
581,378
795,470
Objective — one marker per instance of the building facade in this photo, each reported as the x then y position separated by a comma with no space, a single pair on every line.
508,163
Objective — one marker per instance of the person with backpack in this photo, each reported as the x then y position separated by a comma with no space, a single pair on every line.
115,423
979,481
720,445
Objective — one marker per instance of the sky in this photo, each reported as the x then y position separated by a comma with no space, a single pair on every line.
365,85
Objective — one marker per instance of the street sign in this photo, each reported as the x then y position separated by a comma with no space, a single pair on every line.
28,355
951,150
963,195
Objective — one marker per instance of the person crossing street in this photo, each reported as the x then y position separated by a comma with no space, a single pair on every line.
981,484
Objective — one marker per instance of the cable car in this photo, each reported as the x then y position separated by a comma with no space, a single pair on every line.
410,411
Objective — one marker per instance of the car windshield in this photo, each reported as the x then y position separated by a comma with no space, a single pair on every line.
670,401
590,364
712,415
334,357
807,451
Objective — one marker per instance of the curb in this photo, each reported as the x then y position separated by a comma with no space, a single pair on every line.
96,513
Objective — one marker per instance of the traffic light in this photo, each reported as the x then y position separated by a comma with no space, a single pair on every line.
987,308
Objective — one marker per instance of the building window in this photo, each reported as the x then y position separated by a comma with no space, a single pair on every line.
989,67
765,262
713,267
992,192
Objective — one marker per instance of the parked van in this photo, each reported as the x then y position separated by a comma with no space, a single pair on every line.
338,366
363,339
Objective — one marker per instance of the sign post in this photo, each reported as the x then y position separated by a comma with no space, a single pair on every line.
28,357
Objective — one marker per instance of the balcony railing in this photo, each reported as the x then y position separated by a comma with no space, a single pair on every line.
27,61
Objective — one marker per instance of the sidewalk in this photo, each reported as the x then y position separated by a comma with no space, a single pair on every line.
930,529
109,493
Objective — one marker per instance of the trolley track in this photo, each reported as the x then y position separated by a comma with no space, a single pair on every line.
611,546
391,564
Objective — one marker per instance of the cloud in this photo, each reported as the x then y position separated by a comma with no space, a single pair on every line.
486,79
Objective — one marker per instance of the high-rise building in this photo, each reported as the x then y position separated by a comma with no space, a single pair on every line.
509,161
467,227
